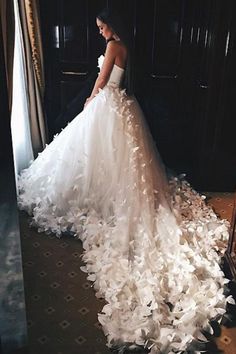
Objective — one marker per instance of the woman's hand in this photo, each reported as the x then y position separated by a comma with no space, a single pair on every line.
87,101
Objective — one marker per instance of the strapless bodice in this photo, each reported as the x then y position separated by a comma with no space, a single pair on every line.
116,74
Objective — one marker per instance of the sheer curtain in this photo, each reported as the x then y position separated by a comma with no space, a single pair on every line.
29,14
20,119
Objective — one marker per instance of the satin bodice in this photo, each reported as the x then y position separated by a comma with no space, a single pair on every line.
116,75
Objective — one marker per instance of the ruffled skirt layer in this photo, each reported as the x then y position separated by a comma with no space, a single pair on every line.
152,247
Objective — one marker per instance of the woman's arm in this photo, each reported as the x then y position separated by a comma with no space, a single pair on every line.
107,66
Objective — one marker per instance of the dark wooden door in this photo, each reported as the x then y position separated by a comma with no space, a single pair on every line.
185,81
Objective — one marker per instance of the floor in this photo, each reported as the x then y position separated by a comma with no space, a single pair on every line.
61,305
13,327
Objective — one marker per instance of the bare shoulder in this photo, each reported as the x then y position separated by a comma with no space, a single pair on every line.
117,46
117,51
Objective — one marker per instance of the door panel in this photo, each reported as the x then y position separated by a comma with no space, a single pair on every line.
74,41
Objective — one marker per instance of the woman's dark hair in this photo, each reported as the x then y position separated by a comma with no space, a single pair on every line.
114,21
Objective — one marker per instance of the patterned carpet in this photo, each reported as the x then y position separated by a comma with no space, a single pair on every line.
61,304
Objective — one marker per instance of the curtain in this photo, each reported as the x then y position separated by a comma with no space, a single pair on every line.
31,37
7,23
28,127
20,115
33,23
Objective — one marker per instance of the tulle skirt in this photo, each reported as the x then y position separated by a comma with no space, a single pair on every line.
151,245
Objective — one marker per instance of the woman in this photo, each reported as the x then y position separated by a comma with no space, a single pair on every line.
151,246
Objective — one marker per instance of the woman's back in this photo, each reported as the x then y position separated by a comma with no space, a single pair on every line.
121,54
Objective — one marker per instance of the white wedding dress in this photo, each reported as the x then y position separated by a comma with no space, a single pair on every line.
151,246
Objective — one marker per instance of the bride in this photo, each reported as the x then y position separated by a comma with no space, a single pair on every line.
151,245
